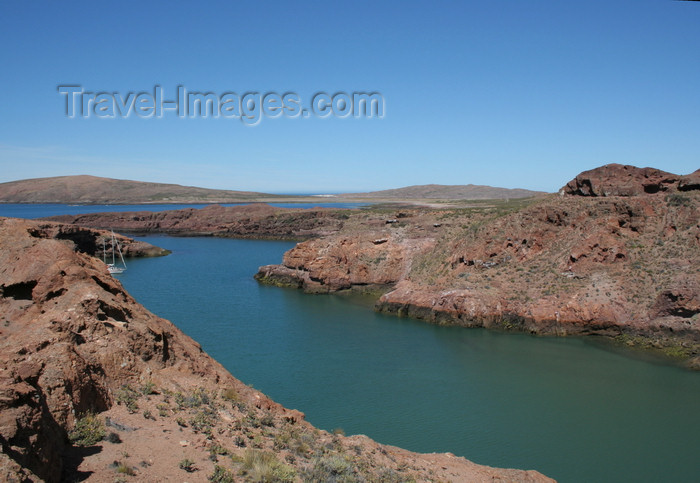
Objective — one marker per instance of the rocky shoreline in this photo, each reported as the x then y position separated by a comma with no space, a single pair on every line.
96,388
614,253
96,242
595,260
255,221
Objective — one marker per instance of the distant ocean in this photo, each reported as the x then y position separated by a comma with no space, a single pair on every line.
40,210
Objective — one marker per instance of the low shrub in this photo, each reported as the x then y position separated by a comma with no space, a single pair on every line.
187,465
128,396
263,466
221,475
331,467
88,431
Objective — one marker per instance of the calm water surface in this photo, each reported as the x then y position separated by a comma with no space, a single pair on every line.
24,210
567,407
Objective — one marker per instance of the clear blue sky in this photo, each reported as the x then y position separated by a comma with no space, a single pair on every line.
508,93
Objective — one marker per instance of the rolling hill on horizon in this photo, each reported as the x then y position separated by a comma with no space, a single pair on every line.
447,192
86,189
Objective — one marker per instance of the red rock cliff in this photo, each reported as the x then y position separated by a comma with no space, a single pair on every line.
621,266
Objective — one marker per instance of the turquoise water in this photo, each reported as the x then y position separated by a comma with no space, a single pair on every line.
573,409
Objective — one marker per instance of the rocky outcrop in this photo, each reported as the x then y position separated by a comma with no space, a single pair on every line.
690,182
344,262
96,242
73,344
245,221
70,337
623,267
626,180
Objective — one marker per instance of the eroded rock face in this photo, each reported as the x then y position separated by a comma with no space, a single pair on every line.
71,335
95,242
246,221
343,262
690,182
620,267
626,180
72,341
682,300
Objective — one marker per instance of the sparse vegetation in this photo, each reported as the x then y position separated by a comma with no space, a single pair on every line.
267,419
187,465
203,420
229,394
163,410
331,467
221,475
148,387
114,438
197,398
128,396
123,468
263,466
676,199
216,450
88,431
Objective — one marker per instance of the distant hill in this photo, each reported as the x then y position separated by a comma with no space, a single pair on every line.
94,190
446,192
86,189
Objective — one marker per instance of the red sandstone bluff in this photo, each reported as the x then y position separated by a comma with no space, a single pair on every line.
615,253
93,387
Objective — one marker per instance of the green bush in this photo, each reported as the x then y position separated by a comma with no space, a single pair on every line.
127,396
216,450
162,410
203,421
197,398
88,431
148,388
221,475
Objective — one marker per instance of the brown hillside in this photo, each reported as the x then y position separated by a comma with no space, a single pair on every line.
95,190
445,192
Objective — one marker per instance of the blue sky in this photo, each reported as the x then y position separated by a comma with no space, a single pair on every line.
506,93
